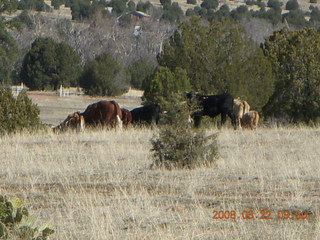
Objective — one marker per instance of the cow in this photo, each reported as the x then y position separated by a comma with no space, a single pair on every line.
212,106
102,113
149,114
74,121
126,117
250,119
240,107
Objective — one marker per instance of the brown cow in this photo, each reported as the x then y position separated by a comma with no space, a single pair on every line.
102,113
240,107
73,121
126,117
250,119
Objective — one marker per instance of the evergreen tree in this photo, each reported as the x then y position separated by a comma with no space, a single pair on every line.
8,55
104,76
171,12
292,5
167,87
17,114
295,58
210,4
220,58
49,64
140,72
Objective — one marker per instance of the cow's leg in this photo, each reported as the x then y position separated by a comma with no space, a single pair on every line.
238,122
233,119
197,120
223,120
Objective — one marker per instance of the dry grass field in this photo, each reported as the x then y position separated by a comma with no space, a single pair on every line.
99,185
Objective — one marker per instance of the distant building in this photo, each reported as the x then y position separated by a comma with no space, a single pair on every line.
108,9
137,15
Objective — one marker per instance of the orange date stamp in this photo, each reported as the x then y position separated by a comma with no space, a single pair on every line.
260,214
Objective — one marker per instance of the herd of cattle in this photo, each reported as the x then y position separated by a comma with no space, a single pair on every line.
109,114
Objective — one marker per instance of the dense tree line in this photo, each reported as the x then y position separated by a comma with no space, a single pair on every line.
220,58
281,77
171,11
295,57
206,55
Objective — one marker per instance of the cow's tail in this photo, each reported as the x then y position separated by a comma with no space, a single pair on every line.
118,118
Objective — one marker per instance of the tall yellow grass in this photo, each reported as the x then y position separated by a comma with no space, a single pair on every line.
99,185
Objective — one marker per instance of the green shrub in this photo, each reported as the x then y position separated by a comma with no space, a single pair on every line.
167,87
140,72
16,223
182,146
44,67
104,76
17,114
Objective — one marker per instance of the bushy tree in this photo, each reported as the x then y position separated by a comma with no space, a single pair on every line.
295,58
165,2
104,76
167,87
179,145
292,5
37,5
296,18
140,72
119,6
8,6
239,12
314,15
80,9
172,12
144,6
49,64
17,114
56,3
131,5
8,55
219,57
210,4
275,4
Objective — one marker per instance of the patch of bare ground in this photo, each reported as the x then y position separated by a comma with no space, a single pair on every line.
99,185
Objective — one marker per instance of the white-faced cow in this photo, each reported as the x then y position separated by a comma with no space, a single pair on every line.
74,121
102,113
212,106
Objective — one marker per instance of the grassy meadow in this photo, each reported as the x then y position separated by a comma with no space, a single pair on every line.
99,184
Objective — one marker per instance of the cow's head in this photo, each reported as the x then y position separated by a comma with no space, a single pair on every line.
73,121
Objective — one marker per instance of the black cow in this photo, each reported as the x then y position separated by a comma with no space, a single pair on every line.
212,106
147,114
